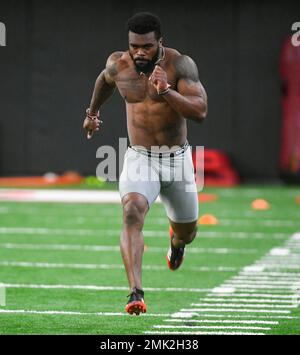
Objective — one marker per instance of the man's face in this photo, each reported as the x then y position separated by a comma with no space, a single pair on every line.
144,50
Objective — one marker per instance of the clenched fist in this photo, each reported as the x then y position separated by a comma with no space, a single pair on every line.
91,123
159,79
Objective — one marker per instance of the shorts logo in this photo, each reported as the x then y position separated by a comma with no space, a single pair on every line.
2,35
296,36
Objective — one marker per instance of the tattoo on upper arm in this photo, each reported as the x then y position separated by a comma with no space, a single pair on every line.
186,68
112,69
111,65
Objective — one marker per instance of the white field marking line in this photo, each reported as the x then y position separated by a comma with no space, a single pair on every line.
245,300
57,231
147,233
218,321
103,266
296,236
292,260
101,288
75,313
164,221
254,308
280,267
112,212
282,257
268,265
260,287
270,290
264,282
250,295
265,278
231,327
288,264
235,310
97,248
240,305
186,315
270,274
64,196
200,333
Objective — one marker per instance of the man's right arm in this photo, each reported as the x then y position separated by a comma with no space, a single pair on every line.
104,87
105,84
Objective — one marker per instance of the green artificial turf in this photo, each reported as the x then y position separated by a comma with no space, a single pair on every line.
241,238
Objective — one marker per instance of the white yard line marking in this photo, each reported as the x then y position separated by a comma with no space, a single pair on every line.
218,321
147,233
223,290
269,274
101,288
278,266
264,282
75,313
236,300
97,248
245,300
44,265
235,310
240,305
240,327
201,333
279,251
67,196
250,295
265,278
259,287
186,315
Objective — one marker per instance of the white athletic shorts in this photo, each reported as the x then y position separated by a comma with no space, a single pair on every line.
167,173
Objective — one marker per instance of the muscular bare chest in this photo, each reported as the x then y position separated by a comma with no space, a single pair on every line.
137,88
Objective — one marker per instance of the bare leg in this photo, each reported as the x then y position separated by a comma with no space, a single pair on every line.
184,233
135,207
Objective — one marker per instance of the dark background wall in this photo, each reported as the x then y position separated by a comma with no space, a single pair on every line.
55,50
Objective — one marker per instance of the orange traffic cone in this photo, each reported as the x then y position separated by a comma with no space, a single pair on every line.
260,204
204,197
208,219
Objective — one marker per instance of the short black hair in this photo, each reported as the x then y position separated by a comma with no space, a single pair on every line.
144,22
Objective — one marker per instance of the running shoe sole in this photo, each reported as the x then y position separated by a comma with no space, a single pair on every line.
136,307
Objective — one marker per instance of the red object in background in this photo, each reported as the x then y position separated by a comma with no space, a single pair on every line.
218,170
290,103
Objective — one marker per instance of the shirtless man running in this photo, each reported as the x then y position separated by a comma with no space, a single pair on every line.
162,90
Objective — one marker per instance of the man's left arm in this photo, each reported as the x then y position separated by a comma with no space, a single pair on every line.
190,99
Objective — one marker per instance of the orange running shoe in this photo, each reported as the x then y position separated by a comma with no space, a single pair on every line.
136,302
175,256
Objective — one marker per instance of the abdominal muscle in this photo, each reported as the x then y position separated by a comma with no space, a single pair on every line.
154,124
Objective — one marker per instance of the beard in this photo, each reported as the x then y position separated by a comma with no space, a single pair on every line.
147,66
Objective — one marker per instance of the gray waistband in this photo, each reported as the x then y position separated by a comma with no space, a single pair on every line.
161,154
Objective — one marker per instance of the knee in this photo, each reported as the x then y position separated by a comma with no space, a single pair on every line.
187,235
134,212
191,236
